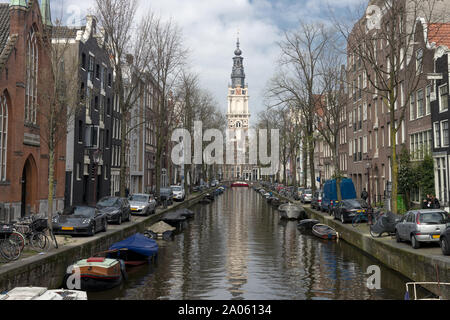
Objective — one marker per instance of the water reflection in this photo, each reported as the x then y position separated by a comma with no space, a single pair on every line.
238,248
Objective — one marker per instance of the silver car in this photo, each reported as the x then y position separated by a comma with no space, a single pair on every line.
421,226
306,196
142,204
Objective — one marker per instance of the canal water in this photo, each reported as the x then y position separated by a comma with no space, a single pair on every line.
238,248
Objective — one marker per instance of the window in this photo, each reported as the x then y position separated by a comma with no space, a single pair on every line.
443,101
83,61
97,72
32,66
91,137
91,68
3,136
420,104
428,102
109,80
437,135
419,61
80,131
444,128
412,107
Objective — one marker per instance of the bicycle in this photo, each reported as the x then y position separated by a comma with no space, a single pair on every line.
31,232
360,216
9,249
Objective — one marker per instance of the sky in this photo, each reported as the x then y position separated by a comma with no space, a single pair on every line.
210,29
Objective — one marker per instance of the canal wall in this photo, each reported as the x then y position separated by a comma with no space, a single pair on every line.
48,270
413,264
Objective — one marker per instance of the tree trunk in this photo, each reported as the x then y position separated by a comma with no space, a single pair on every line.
123,165
311,164
51,183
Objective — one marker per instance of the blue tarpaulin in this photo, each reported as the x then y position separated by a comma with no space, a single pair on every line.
139,244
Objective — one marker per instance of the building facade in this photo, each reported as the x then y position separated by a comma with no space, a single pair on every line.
88,166
25,57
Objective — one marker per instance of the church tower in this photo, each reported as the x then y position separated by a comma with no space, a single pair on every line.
238,118
238,115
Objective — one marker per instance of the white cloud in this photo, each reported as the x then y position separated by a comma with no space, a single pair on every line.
210,28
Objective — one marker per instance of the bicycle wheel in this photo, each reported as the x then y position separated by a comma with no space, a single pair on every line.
18,238
39,241
375,234
356,221
10,250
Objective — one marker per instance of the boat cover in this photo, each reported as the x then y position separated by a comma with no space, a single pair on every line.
137,243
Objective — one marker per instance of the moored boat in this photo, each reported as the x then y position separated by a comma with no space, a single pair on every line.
160,230
307,224
134,251
98,273
324,232
240,184
290,211
37,293
174,218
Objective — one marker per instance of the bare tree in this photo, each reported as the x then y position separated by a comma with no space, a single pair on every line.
59,104
297,82
332,111
128,45
167,58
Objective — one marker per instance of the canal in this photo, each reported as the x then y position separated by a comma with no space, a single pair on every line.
237,248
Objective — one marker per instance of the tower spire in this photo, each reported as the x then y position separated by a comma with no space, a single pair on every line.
238,75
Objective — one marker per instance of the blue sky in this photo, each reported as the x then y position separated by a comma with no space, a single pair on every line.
210,28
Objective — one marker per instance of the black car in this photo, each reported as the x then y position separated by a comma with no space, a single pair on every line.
116,209
79,220
346,210
445,241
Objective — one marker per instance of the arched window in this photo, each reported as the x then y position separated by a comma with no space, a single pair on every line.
3,136
32,60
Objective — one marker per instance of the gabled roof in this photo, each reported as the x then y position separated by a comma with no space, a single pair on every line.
439,33
62,32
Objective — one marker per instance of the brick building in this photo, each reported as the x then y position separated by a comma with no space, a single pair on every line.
25,32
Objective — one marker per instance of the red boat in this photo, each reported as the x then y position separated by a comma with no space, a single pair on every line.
240,185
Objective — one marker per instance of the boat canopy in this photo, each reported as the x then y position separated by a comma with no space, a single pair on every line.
137,243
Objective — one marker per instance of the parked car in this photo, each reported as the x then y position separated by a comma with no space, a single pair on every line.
142,204
316,200
165,194
306,196
79,220
420,226
330,197
214,183
347,209
300,192
178,193
117,210
445,241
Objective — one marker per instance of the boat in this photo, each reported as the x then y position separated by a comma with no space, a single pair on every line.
38,293
205,200
307,224
442,288
160,230
240,184
324,232
290,211
134,251
209,196
174,218
186,213
98,273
